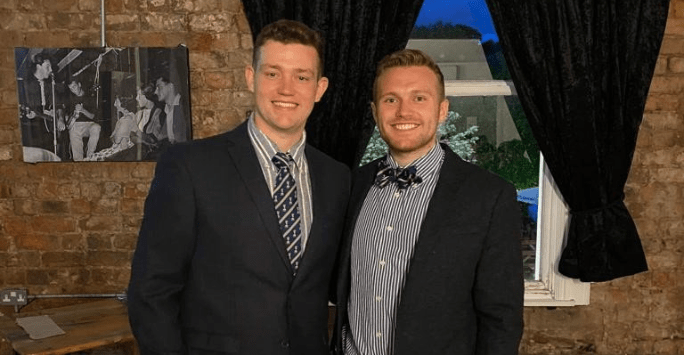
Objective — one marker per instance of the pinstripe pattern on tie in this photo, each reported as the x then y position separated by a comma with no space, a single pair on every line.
287,208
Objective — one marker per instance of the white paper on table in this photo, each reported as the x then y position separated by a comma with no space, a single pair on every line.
39,327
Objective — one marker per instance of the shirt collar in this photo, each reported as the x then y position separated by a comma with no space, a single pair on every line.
425,165
270,149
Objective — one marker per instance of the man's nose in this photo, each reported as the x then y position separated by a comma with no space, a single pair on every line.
403,108
286,86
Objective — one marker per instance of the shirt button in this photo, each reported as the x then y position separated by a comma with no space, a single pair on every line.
382,263
378,298
397,194
389,228
378,335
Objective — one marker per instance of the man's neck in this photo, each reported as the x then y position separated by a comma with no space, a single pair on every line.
283,140
405,159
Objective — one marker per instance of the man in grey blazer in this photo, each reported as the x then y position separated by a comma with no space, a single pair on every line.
241,230
431,260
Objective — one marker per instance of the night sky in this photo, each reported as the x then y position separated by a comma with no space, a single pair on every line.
473,13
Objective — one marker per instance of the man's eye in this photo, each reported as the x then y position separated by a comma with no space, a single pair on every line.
271,74
390,100
420,98
303,78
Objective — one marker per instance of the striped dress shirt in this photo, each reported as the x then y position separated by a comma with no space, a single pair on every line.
265,150
384,238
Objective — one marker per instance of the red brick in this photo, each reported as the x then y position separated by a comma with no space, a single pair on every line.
112,189
135,190
37,277
63,259
125,241
218,80
5,243
101,223
53,224
6,207
214,23
58,39
61,5
205,60
667,84
671,45
128,22
16,226
674,26
80,206
73,242
110,276
37,242
144,171
99,241
200,42
105,206
676,64
108,258
662,102
54,206
71,21
233,6
164,22
15,276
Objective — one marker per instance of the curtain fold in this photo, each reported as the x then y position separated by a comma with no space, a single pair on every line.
582,69
358,33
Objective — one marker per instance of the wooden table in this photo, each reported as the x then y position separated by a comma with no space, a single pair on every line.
87,326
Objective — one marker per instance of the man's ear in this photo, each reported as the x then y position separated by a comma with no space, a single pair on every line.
443,110
373,110
322,85
249,77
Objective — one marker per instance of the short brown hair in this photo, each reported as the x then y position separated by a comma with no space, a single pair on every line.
408,58
288,32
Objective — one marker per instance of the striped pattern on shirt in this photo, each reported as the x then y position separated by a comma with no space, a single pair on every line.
265,150
384,239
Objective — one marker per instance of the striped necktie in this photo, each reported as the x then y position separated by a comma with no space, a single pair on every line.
287,208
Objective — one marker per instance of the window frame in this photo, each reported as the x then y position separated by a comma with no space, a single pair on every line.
551,289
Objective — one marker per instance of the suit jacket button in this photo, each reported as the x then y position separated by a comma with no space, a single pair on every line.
284,344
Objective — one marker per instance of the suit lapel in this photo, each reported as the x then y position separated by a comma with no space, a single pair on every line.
318,196
438,215
248,167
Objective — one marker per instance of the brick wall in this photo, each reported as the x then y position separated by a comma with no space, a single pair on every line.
71,228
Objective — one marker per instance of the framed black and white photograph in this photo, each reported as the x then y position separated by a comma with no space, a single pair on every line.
102,104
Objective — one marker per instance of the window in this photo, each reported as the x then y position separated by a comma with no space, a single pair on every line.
487,126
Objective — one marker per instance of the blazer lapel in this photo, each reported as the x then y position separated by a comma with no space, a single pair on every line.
247,164
446,193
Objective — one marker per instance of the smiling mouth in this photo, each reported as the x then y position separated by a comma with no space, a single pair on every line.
284,104
405,126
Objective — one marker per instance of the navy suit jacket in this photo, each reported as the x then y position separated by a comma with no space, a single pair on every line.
464,289
210,274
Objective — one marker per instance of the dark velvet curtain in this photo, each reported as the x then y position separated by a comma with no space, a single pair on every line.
358,33
582,69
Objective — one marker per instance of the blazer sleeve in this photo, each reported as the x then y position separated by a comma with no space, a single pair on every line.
162,256
499,287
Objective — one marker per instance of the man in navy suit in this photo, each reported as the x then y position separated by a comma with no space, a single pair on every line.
431,260
241,230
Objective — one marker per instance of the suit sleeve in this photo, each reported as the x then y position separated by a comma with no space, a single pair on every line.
499,288
162,256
